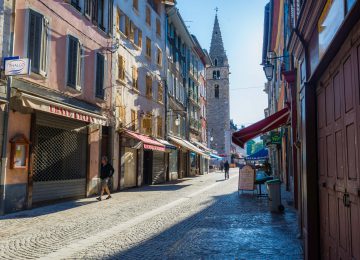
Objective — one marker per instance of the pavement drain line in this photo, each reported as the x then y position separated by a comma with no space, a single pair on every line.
77,246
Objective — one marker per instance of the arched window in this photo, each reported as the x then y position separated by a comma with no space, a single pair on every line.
216,91
216,74
215,62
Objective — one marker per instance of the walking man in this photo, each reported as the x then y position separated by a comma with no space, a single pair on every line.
226,168
106,173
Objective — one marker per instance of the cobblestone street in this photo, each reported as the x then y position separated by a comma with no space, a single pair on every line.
196,218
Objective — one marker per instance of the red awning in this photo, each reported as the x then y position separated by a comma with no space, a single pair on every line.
270,123
149,143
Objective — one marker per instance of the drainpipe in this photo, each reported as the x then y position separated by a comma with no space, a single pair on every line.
6,116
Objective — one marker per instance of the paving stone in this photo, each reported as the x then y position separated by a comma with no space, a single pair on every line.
209,221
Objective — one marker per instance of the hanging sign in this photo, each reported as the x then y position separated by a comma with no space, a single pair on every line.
17,67
247,178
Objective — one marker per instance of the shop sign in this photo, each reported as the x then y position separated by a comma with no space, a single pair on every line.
17,67
71,114
275,137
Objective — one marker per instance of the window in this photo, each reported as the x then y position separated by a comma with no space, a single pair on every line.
159,57
118,17
88,7
135,78
216,91
132,31
101,15
138,37
74,63
122,114
37,42
134,120
215,62
136,5
216,74
121,68
122,22
100,75
127,26
76,4
148,86
158,27
148,16
160,93
159,126
148,47
147,124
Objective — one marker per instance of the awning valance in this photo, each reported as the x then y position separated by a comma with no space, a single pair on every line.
187,145
148,142
167,144
270,123
202,146
263,154
60,109
214,156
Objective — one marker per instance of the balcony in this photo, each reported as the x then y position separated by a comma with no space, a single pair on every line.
194,98
195,124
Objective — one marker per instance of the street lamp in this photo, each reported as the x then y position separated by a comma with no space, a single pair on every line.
211,138
177,121
268,67
269,71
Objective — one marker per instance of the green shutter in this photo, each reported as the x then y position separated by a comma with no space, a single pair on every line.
34,41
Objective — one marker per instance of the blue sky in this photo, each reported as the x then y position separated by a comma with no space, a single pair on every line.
241,23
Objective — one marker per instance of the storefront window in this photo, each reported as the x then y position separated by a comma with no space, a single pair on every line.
173,161
193,160
329,23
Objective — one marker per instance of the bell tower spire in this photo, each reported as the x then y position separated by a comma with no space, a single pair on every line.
217,51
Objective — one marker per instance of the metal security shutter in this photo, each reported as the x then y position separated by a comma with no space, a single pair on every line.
158,167
60,153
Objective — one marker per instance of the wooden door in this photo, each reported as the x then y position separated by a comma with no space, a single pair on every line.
338,111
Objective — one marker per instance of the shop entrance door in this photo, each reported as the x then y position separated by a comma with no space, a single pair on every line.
148,165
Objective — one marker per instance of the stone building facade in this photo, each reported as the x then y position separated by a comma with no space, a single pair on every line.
218,104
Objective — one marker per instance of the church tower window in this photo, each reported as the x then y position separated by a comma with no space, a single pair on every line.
216,91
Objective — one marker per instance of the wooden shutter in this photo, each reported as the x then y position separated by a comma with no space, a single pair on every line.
34,41
140,38
118,15
121,67
73,46
127,26
132,31
100,76
148,86
135,77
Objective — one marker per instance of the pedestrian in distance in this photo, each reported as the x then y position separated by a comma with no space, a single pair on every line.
107,171
226,167
221,166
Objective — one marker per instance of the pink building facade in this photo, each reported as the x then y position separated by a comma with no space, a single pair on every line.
62,110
